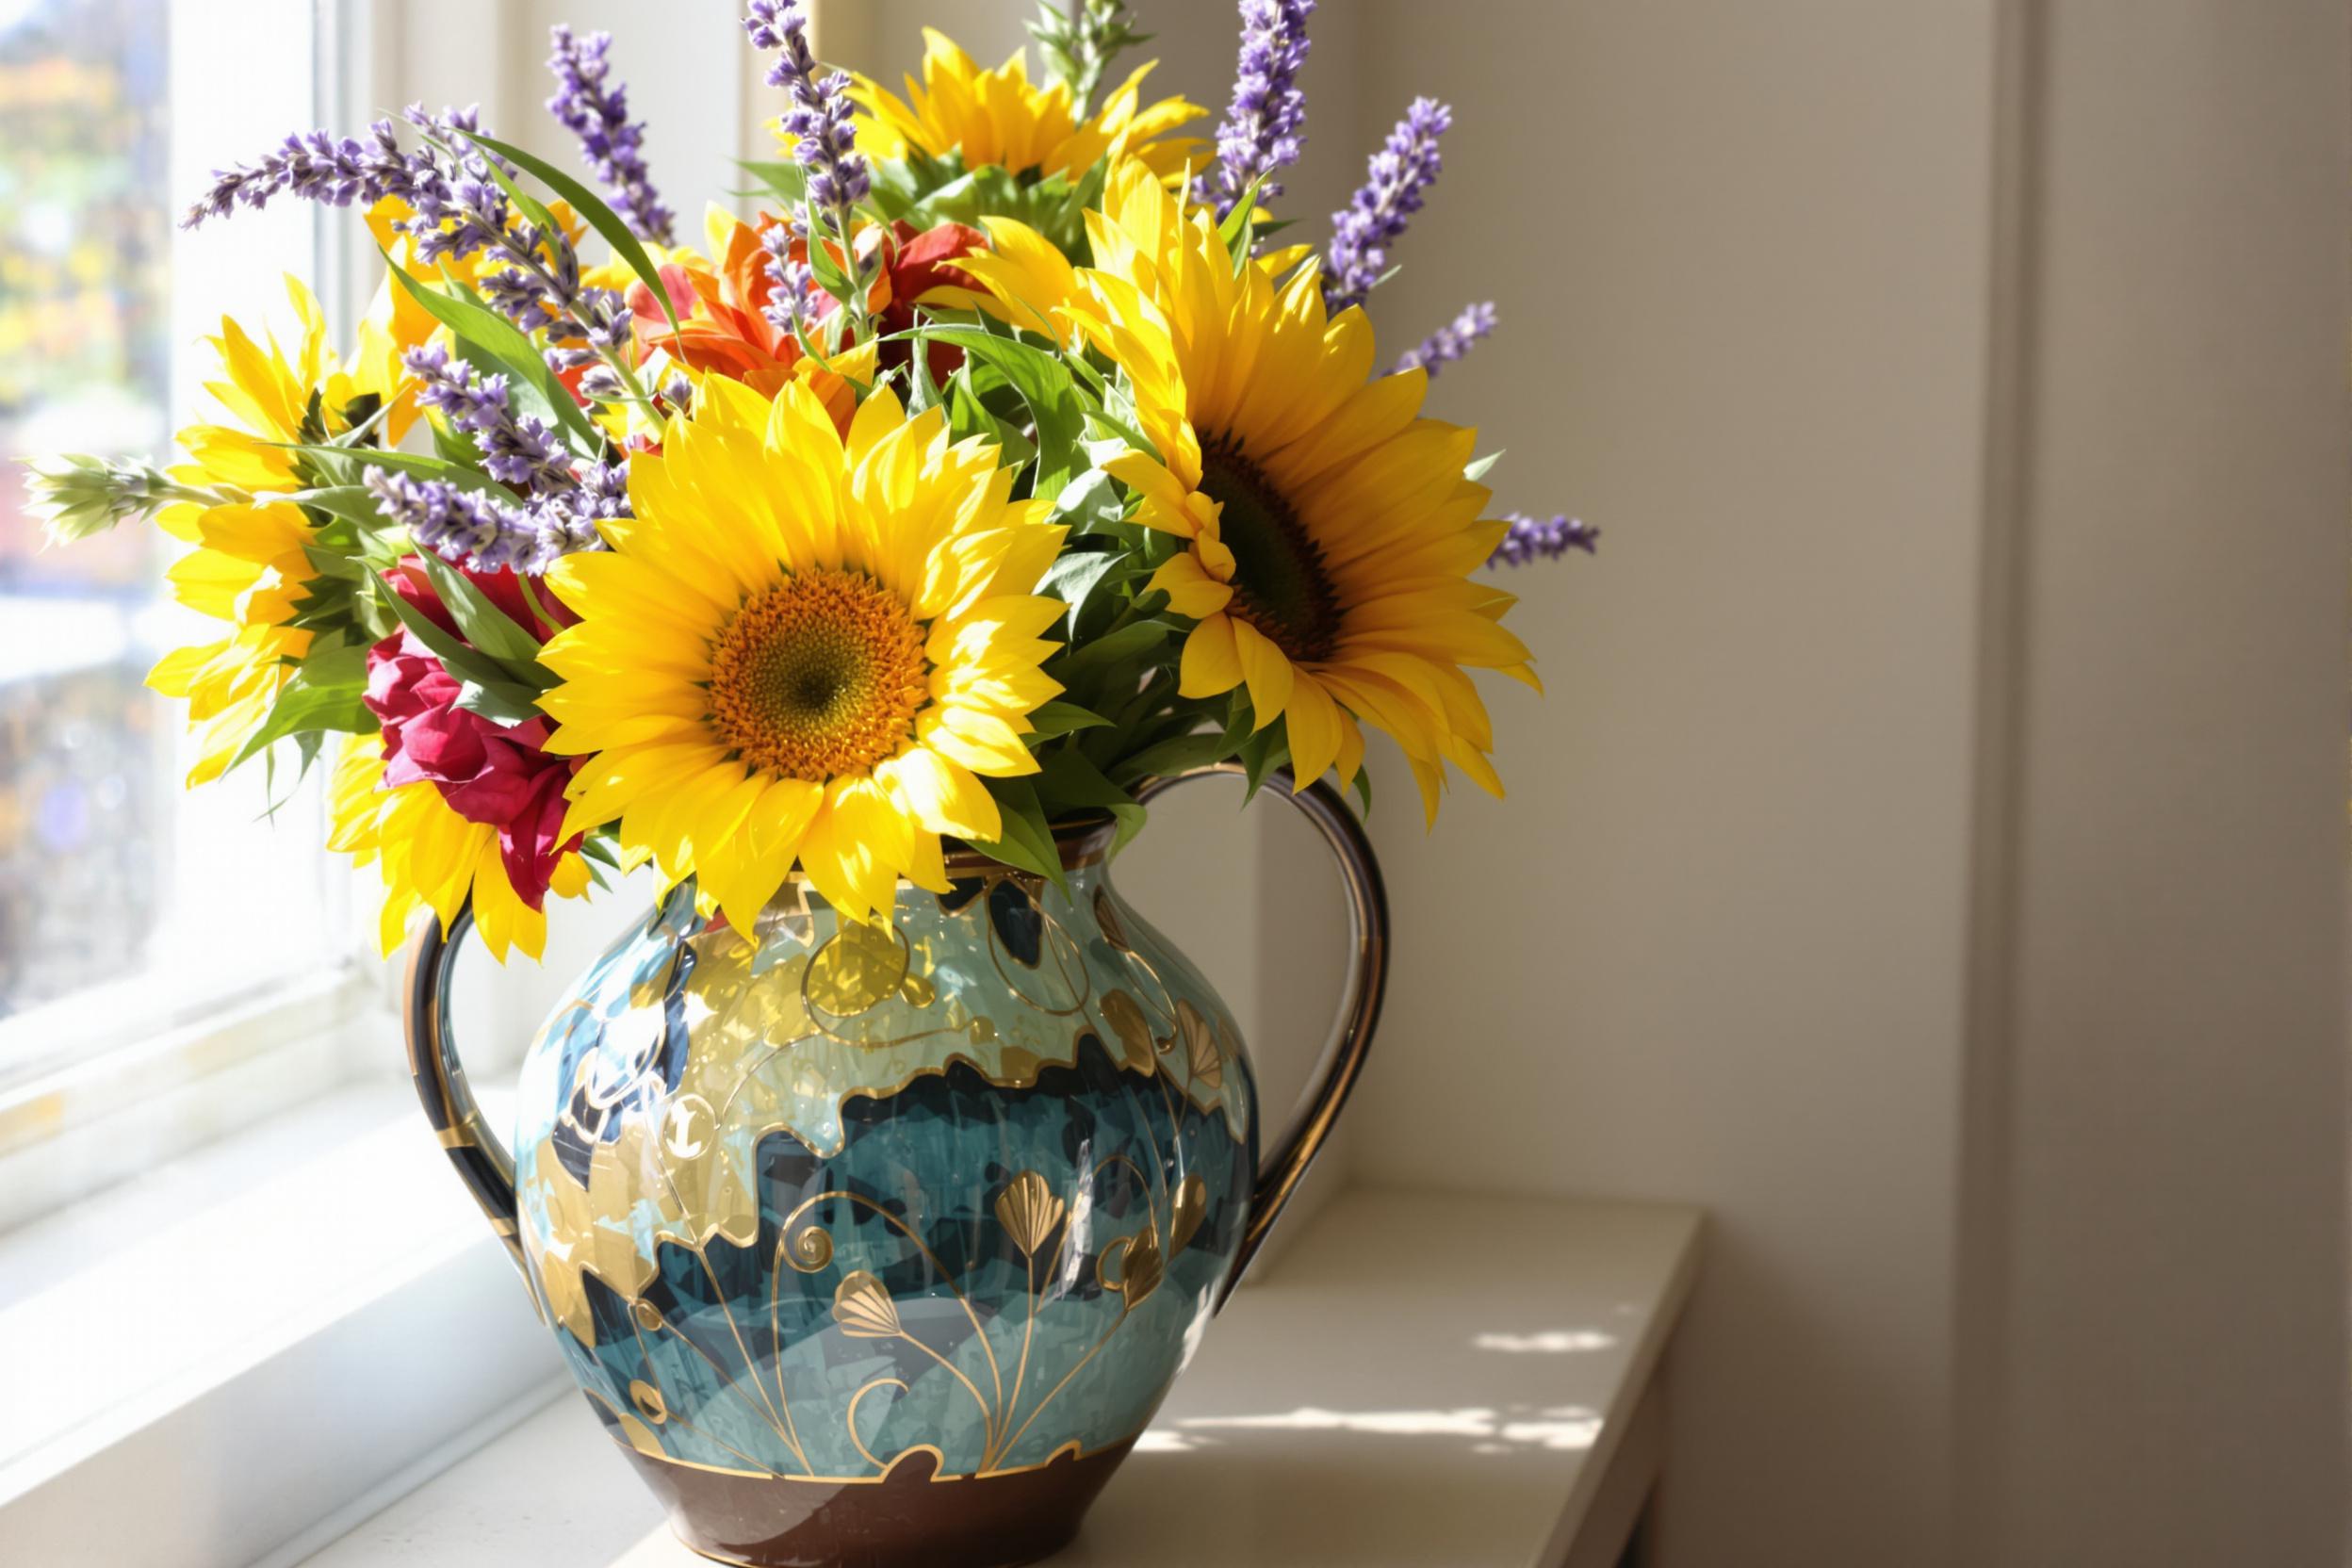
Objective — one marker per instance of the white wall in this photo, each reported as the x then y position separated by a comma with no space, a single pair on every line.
1709,948
2153,1367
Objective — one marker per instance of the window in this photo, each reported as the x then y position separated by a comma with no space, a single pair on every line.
129,907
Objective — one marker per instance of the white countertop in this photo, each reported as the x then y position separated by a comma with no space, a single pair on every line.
1423,1381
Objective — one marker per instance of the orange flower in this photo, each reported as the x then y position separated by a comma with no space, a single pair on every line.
722,315
723,322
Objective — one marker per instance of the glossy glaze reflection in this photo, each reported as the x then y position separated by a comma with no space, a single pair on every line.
879,1245
808,1203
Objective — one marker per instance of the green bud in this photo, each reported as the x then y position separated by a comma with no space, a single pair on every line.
78,496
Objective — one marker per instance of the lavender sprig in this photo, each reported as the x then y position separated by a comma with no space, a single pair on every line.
1548,539
1450,342
1264,128
821,119
316,166
472,529
1394,181
568,522
459,525
595,109
788,306
457,212
517,451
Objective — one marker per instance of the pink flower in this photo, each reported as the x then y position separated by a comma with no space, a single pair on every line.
498,775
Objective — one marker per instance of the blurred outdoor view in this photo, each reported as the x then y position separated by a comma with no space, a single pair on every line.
129,907
86,754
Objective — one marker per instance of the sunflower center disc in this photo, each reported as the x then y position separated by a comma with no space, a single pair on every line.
818,676
1281,585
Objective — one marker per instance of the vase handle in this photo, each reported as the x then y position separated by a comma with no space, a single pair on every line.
1284,1164
481,1159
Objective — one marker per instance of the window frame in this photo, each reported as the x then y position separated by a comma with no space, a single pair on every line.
165,1069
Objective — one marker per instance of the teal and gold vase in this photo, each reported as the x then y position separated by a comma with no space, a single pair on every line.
879,1245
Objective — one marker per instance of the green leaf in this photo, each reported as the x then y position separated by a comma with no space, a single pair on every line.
462,662
1090,503
830,275
1262,753
308,744
409,462
333,562
1364,787
1132,638
1027,842
591,208
324,694
500,706
1063,718
1044,382
531,598
502,343
1234,231
1068,779
967,417
484,625
787,181
1076,577
350,503
924,392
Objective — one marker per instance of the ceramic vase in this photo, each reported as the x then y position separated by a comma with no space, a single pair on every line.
876,1245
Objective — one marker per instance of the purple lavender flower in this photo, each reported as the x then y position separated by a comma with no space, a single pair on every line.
821,116
1394,181
787,307
595,110
458,211
473,529
517,451
316,166
565,523
1265,125
1533,538
457,524
1450,342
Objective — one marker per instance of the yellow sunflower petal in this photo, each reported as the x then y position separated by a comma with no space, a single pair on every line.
1267,669
1192,591
804,649
1211,663
1312,727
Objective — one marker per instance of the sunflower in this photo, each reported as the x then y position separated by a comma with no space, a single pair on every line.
998,117
430,858
249,567
804,647
1329,531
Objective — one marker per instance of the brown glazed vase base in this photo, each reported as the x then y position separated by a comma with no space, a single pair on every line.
904,1520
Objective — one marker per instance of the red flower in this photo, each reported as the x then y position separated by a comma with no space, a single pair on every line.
501,588
916,261
488,772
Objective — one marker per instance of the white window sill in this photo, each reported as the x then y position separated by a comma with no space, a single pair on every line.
215,1359
1453,1380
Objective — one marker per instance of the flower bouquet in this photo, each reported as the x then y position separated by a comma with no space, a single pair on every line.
863,569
